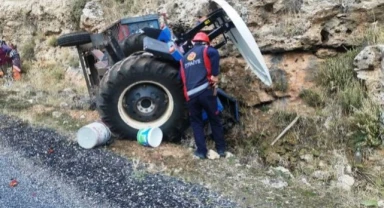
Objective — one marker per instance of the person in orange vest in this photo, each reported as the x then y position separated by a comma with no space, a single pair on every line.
4,59
199,71
16,63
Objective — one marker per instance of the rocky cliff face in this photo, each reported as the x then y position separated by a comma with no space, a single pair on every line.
23,19
294,35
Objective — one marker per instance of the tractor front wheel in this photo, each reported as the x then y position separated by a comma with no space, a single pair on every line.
141,92
74,39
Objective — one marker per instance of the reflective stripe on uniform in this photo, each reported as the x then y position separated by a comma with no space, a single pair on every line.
198,89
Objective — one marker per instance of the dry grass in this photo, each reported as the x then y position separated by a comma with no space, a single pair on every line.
117,9
76,11
28,50
337,73
291,24
292,6
371,36
52,41
279,80
314,98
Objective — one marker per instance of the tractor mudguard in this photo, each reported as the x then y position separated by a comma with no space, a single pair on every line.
162,50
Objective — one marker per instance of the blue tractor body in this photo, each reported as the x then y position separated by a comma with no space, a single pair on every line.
129,94
161,43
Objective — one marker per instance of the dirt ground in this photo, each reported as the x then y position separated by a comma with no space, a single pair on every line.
245,176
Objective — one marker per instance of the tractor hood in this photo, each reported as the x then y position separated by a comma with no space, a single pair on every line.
245,43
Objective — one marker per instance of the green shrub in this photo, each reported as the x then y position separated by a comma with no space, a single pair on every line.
73,61
76,11
26,66
366,125
28,50
312,98
351,97
279,79
371,36
283,117
337,72
52,41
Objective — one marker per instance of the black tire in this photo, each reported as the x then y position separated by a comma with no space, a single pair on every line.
134,43
74,39
118,86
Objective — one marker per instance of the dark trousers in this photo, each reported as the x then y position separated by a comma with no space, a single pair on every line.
207,101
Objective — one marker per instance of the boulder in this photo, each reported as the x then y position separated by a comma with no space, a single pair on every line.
369,66
275,183
24,19
92,18
345,182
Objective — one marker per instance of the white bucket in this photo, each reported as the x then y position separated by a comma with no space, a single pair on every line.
92,135
150,137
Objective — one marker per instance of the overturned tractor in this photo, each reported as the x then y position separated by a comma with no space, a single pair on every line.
131,69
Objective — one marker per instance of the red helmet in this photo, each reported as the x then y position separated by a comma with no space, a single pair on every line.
202,37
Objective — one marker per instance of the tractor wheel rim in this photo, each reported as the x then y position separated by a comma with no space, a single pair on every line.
145,103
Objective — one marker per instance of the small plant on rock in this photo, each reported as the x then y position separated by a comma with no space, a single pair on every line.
52,41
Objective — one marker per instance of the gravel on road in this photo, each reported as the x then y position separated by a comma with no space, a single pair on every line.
70,176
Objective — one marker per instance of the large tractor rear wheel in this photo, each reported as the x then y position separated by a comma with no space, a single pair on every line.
141,91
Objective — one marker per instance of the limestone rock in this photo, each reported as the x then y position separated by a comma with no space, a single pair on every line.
92,18
380,203
307,157
64,105
369,65
305,182
321,175
56,114
75,76
32,17
345,182
212,155
326,53
322,164
229,155
282,171
274,183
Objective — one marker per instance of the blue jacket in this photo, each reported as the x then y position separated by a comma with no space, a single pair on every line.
197,66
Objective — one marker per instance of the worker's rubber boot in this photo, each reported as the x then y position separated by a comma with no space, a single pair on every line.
200,155
221,153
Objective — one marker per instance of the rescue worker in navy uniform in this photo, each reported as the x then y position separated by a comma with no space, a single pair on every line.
199,73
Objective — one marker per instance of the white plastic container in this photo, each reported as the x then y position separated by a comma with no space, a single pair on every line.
150,137
93,134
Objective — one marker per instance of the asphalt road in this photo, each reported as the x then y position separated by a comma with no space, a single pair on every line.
70,176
